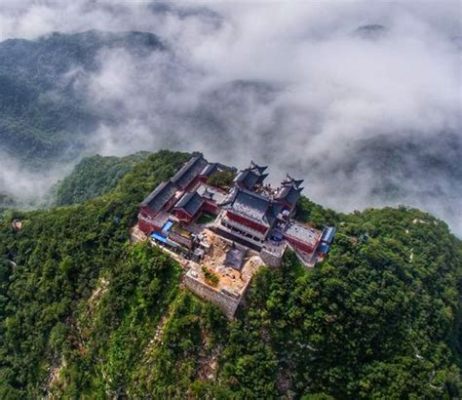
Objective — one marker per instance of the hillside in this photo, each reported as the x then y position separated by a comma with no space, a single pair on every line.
94,176
67,95
85,314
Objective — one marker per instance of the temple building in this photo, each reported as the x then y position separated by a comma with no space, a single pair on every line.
190,172
251,177
178,195
302,237
162,198
187,208
248,213
288,193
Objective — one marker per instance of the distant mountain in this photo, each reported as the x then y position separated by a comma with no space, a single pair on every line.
43,117
53,109
371,31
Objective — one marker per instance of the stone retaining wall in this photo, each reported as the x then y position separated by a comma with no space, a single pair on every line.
227,302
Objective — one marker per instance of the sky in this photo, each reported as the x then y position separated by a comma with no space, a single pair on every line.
362,99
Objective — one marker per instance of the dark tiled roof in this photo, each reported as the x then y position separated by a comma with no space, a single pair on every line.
251,205
160,196
274,211
189,171
290,190
190,202
251,176
291,181
257,168
247,178
235,258
209,169
289,193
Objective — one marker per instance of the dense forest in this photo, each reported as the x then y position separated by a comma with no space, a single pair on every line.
85,314
92,177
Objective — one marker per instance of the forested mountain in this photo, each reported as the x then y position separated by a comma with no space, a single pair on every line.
92,177
85,314
44,116
65,96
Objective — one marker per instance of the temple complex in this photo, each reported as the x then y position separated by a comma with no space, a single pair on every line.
247,219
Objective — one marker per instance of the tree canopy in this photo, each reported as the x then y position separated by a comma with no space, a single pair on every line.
86,314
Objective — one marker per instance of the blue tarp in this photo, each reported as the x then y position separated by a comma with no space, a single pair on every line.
159,237
328,234
167,226
276,236
323,248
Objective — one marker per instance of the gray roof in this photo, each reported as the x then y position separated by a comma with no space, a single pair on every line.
275,209
291,181
209,169
251,176
249,179
235,258
189,171
160,196
190,202
257,168
289,193
211,193
303,233
251,205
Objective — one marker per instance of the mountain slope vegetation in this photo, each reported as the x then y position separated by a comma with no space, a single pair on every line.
94,176
86,314
67,95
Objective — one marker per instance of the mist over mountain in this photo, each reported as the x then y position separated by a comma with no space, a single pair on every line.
362,101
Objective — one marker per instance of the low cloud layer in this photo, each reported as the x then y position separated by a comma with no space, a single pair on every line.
26,187
361,99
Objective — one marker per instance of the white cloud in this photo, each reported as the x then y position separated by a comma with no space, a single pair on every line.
322,93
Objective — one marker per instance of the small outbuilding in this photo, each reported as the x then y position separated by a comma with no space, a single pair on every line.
235,258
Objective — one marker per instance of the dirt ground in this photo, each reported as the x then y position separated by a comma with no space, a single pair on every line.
229,278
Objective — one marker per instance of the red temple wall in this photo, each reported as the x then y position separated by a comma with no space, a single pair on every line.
210,207
244,221
303,246
147,227
146,222
183,215
147,212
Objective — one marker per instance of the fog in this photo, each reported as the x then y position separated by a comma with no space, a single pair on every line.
26,187
361,99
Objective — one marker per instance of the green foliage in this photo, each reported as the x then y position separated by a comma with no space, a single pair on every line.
221,179
210,276
53,265
206,218
86,314
94,176
371,322
308,211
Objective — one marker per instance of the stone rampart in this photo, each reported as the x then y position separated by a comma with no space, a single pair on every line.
228,302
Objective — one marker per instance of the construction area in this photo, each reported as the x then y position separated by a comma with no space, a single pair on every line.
223,274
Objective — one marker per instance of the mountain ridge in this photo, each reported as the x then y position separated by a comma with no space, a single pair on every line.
80,309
